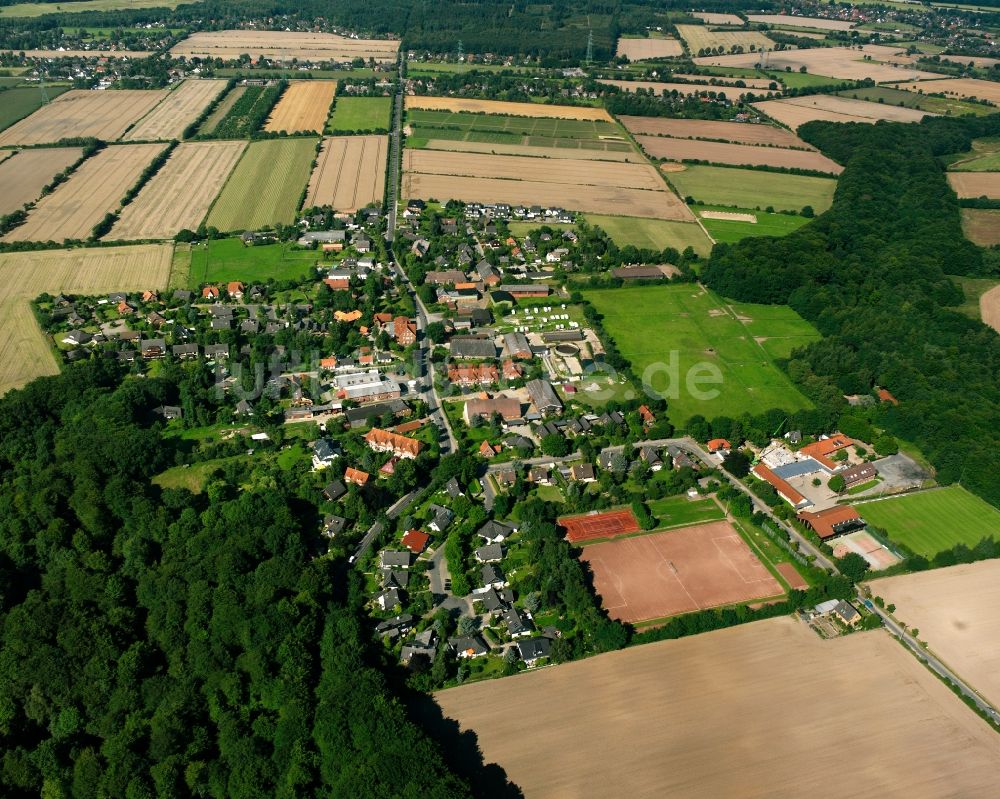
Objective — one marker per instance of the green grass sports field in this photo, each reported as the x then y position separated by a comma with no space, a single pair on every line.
223,260
265,187
686,342
681,511
931,521
652,234
753,188
352,114
729,231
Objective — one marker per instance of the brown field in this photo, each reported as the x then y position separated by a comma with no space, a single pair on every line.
791,575
5,154
737,132
590,199
304,107
677,571
653,47
591,526
982,62
579,153
796,111
81,53
760,711
753,83
95,189
975,184
700,37
989,308
512,167
24,352
25,175
717,19
659,87
802,22
181,107
957,87
180,194
981,226
835,62
81,113
473,106
957,611
737,154
349,173
283,46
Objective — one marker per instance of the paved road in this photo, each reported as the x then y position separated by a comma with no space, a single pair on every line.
930,660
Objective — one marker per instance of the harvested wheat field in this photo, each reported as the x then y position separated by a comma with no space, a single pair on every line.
24,352
980,225
659,87
349,173
818,23
592,199
957,612
181,107
975,184
179,195
95,53
736,132
511,167
957,87
80,113
473,106
531,151
283,46
25,175
736,154
847,63
796,111
652,47
759,711
700,37
303,108
95,189
989,308
717,19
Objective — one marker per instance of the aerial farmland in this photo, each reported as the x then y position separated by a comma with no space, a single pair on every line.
229,45
303,107
349,173
176,111
25,174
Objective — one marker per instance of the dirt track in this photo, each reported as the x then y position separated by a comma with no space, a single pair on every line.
303,108
95,189
180,194
761,711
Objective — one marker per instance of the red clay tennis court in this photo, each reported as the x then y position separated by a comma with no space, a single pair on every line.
677,571
599,525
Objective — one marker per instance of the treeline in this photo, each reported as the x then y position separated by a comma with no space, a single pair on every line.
871,274
248,114
160,643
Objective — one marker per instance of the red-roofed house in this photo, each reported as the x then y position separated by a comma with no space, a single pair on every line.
415,541
784,489
486,450
235,289
384,441
356,476
389,467
210,293
822,450
885,395
832,521
647,416
719,445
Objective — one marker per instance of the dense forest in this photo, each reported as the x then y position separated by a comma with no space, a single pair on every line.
161,643
872,275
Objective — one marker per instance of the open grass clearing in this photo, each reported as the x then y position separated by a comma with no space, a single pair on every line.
358,114
26,173
652,234
265,187
592,736
676,335
733,230
96,188
179,195
750,188
80,6
787,20
678,511
931,521
80,113
984,156
974,288
223,260
945,106
24,351
957,612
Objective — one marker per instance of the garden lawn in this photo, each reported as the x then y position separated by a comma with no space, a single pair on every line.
265,187
680,511
753,188
358,114
652,234
685,343
931,521
729,231
223,260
